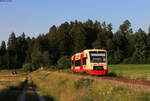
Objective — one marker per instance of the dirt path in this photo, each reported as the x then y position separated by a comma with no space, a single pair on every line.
22,96
39,95
30,93
2,87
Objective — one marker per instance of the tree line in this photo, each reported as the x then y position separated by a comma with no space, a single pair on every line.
56,47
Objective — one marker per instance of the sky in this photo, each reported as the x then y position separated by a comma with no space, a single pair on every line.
35,17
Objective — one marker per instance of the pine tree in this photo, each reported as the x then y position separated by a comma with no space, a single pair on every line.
149,30
21,52
123,39
53,45
110,50
3,48
104,34
100,43
64,39
29,49
3,52
12,51
79,38
125,29
40,59
148,45
91,30
140,53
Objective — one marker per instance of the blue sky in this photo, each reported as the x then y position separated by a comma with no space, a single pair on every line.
37,16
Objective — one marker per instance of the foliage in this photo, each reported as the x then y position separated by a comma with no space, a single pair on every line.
141,51
123,46
64,62
28,67
40,59
83,83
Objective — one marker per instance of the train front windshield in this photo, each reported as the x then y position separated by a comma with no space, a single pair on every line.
98,57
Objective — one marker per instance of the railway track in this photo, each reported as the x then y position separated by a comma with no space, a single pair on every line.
126,80
115,78
122,79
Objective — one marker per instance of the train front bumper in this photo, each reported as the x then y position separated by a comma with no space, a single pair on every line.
97,72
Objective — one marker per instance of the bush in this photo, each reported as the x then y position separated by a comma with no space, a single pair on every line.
52,68
83,83
28,67
64,62
128,61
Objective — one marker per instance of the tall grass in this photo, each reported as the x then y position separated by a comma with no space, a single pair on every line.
67,87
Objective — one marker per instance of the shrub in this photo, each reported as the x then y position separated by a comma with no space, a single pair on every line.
127,61
64,62
28,67
83,83
51,68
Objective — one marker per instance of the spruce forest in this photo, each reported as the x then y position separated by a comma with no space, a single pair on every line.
54,49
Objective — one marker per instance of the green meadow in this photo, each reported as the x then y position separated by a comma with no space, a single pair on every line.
134,71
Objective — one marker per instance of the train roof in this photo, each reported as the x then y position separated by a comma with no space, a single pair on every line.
88,50
94,50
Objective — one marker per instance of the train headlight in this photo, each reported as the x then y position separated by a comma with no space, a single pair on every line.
98,68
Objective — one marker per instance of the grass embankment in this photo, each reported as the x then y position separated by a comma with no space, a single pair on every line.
134,71
57,86
10,85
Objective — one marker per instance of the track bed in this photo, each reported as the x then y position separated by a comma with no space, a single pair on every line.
126,80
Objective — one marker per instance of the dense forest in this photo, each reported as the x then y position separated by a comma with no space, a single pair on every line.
53,49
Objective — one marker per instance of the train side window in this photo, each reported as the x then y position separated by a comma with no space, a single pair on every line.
72,62
84,61
77,62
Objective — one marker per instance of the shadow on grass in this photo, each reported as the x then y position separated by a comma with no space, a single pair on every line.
112,74
32,93
11,93
48,98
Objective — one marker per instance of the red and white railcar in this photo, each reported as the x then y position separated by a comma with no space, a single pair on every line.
91,61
